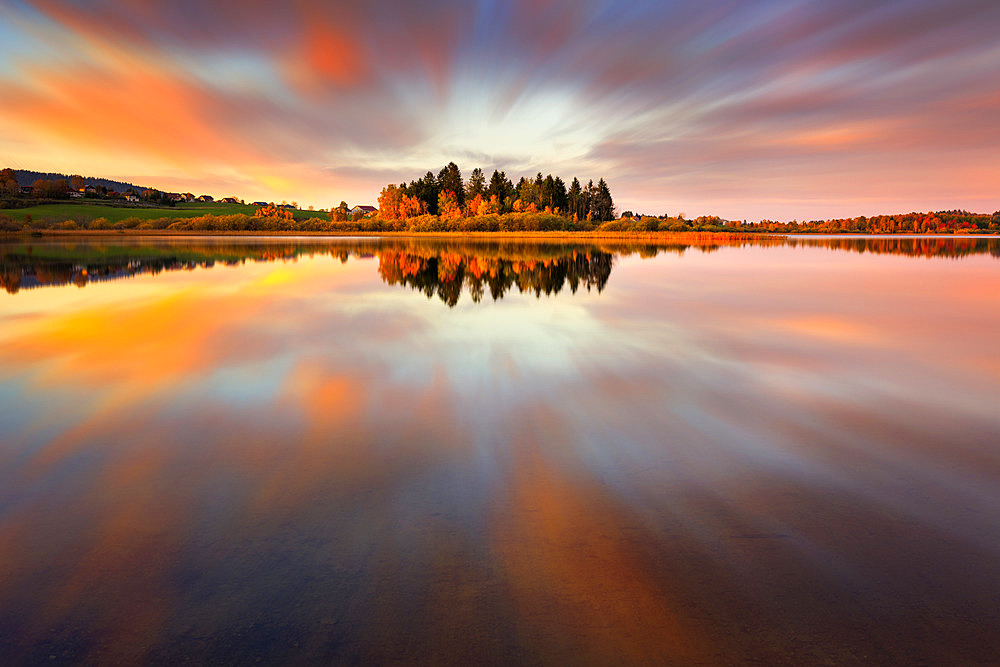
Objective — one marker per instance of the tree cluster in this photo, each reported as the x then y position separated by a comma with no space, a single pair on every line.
155,197
76,181
46,189
448,195
272,211
940,222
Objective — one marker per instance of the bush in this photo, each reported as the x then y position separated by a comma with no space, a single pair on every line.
647,224
426,223
479,223
616,226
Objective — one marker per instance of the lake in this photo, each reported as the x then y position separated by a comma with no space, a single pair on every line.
226,450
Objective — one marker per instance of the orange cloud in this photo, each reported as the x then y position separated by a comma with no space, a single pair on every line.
328,54
132,109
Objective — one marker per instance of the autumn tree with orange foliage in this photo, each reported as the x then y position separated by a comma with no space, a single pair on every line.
448,207
340,213
271,211
491,206
473,205
388,202
411,207
526,207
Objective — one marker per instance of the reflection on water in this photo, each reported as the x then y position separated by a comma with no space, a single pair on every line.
776,451
433,267
445,273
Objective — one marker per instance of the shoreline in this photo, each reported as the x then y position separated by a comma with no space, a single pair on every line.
651,236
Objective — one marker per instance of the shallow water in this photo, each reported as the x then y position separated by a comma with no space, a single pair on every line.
225,450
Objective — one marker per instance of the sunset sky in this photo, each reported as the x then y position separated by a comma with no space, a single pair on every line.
748,110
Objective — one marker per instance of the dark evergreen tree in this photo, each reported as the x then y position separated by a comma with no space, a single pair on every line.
502,188
574,200
450,178
559,196
477,184
602,206
426,190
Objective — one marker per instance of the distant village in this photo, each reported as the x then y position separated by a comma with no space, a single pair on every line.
155,196
185,197
78,187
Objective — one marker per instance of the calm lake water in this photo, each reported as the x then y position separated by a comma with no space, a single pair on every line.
228,450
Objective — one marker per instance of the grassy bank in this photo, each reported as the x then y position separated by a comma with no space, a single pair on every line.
86,212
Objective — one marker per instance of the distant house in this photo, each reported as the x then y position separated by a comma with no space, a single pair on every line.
187,196
175,196
286,206
88,190
230,200
27,189
260,203
131,196
75,194
206,198
364,210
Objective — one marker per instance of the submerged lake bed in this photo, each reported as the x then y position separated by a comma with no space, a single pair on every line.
372,450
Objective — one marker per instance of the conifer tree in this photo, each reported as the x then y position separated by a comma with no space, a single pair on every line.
602,206
450,179
477,183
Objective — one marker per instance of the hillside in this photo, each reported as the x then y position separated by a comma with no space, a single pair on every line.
25,177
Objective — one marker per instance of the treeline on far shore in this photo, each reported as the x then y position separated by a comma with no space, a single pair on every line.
910,223
282,222
935,222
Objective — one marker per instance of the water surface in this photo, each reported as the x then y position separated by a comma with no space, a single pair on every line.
231,449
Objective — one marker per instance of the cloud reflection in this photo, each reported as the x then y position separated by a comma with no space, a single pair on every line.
702,462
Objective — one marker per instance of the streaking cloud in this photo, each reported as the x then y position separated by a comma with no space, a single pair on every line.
778,109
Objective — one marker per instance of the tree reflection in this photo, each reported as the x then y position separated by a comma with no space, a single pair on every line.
445,272
435,267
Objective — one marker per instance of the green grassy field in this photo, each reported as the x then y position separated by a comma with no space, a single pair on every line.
83,212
